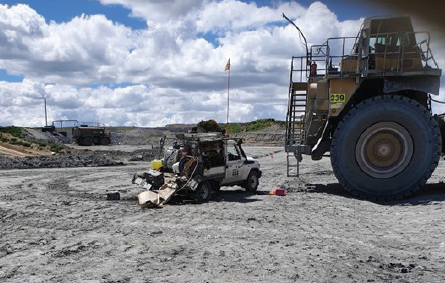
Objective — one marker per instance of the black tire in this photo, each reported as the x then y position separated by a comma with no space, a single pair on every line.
182,163
87,141
215,186
385,148
191,170
203,192
252,182
104,141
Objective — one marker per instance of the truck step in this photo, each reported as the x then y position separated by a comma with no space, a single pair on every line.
299,86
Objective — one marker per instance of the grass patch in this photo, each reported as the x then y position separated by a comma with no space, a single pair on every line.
254,126
3,138
235,128
41,144
259,125
13,131
56,148
26,144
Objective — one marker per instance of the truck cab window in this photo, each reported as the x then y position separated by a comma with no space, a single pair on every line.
233,153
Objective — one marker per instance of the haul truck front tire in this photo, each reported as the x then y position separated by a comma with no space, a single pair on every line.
385,148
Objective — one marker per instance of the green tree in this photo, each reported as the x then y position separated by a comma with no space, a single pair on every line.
208,126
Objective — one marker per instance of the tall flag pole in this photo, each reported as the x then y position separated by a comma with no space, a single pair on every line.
227,68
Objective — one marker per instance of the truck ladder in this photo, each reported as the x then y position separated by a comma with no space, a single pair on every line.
295,119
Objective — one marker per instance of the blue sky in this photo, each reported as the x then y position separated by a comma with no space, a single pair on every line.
65,10
151,63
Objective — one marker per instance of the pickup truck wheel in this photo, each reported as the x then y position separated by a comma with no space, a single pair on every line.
252,182
215,186
203,192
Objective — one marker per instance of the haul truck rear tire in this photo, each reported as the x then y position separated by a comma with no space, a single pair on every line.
87,141
104,141
385,148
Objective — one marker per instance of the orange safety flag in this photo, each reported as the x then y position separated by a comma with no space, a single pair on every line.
227,65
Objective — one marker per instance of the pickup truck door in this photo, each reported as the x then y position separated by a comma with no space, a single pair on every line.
234,163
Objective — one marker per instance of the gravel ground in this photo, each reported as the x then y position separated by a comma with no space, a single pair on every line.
57,226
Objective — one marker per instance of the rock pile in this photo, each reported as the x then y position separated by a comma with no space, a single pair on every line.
61,161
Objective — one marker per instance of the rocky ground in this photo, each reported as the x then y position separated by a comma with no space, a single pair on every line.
57,226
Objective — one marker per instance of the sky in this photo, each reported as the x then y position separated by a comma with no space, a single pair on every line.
150,63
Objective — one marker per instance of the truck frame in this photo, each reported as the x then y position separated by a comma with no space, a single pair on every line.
371,109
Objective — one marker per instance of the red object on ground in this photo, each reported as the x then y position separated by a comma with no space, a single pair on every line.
278,192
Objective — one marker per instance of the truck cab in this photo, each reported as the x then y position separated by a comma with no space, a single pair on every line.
240,167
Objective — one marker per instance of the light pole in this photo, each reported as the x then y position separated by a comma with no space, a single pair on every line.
46,119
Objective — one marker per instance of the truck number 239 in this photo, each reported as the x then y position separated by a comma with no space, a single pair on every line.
338,97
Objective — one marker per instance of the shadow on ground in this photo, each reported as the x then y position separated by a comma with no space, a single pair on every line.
427,194
240,196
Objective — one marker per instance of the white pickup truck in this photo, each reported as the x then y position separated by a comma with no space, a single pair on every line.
198,164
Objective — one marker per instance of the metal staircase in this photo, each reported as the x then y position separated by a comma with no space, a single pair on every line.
295,118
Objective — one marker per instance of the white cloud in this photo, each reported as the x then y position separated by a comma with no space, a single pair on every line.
170,72
235,15
84,50
158,12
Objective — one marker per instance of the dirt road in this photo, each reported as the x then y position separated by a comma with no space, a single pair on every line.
11,152
57,226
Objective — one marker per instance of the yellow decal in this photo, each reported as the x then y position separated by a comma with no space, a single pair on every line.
337,98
